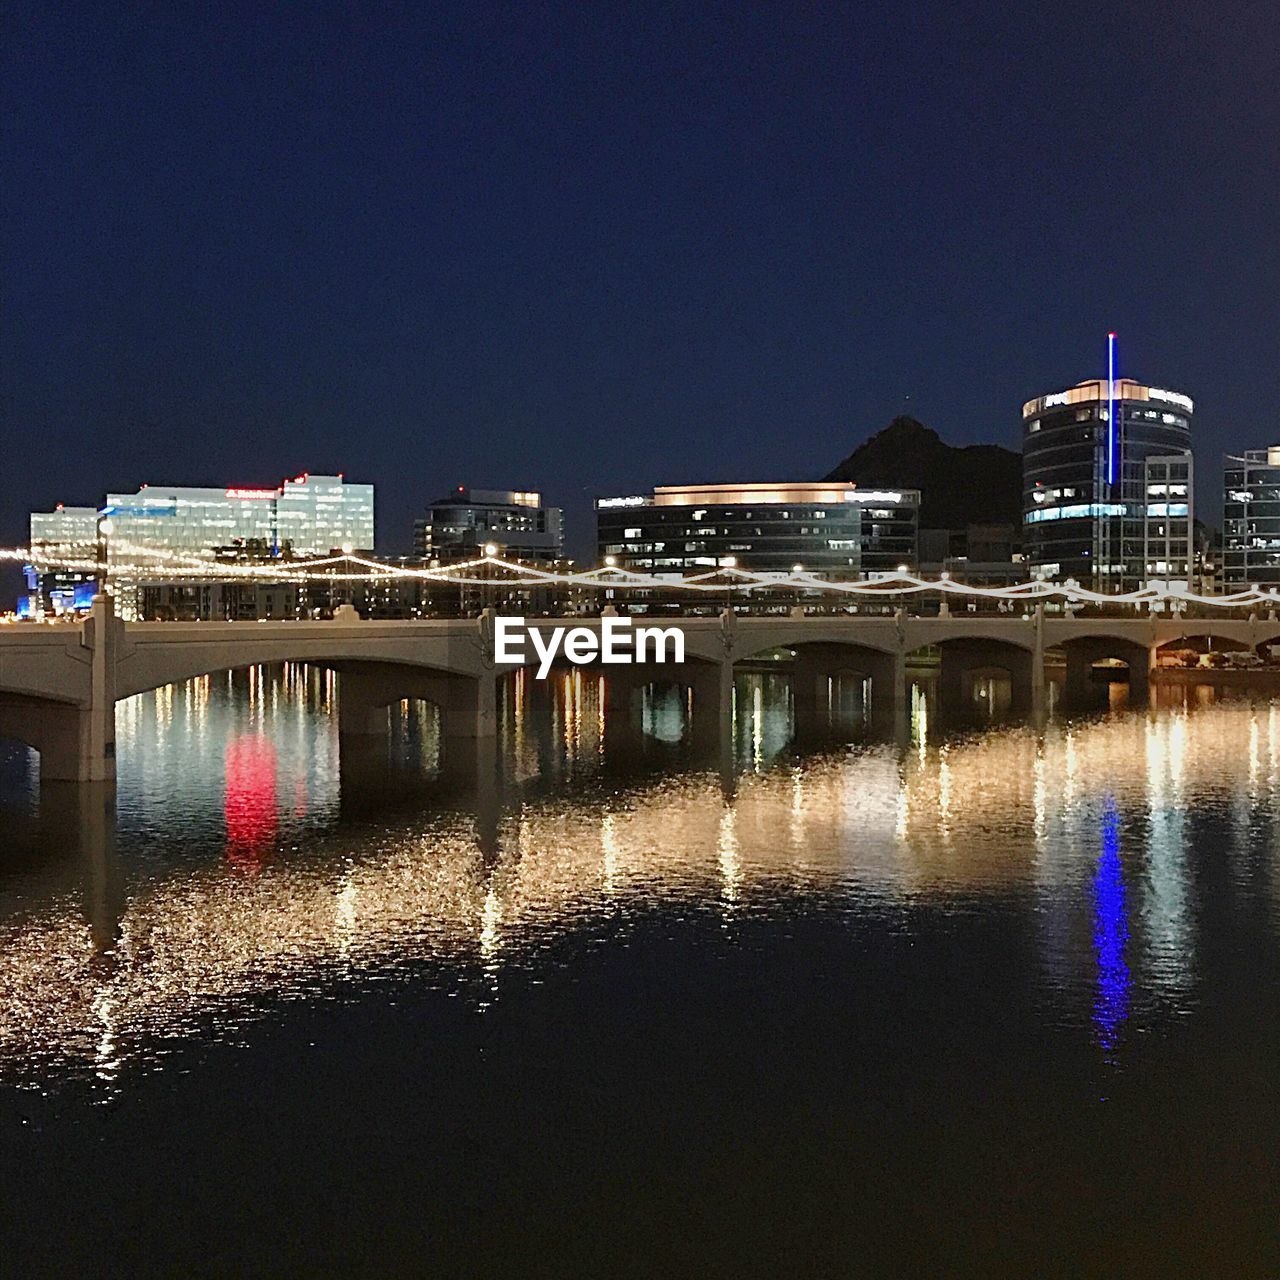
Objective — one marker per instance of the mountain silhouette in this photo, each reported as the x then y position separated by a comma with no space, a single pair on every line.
959,486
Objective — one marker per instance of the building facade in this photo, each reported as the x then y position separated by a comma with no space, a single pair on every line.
1168,529
306,516
513,521
70,533
1105,500
980,555
1251,519
832,530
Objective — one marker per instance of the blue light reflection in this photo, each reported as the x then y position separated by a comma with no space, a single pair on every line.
1110,934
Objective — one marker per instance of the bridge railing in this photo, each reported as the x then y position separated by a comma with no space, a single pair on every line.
399,590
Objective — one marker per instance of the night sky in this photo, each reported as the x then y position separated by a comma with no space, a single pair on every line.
590,248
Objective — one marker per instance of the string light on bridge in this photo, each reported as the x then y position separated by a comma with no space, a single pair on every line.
137,563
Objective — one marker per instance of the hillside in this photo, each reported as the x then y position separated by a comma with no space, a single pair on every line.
971,484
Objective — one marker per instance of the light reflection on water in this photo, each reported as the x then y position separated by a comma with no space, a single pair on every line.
242,869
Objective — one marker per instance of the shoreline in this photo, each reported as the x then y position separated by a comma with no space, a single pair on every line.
1267,677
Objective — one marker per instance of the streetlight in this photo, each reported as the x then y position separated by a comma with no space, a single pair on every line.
610,562
347,549
105,529
730,563
490,551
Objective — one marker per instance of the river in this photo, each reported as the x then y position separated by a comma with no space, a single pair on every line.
1001,1002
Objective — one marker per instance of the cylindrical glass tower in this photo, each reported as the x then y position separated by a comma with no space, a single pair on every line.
1107,477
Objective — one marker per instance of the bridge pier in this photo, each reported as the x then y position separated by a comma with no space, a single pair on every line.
76,739
810,699
471,707
713,706
94,809
1078,689
896,706
1039,689
362,709
621,695
76,744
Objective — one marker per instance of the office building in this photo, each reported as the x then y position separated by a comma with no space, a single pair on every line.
1251,519
514,522
1107,484
70,533
307,516
165,524
832,529
980,555
1169,542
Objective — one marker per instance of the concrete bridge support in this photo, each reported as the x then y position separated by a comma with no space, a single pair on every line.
94,807
712,684
623,696
76,737
1039,687
75,744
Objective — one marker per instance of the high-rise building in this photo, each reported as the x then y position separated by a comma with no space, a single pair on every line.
513,521
309,515
832,529
1251,519
1168,526
165,524
1107,484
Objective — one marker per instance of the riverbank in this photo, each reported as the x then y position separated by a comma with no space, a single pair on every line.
1265,679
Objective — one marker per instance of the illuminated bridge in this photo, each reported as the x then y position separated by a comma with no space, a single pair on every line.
59,683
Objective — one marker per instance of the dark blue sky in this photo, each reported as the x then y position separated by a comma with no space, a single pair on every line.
587,248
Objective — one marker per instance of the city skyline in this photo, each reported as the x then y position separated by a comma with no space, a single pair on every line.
626,253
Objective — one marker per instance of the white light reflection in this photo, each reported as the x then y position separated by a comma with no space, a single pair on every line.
1165,913
345,916
609,855
728,856
992,815
490,942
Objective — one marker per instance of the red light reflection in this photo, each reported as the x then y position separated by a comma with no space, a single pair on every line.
250,805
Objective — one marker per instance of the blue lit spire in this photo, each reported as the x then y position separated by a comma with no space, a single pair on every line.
1112,440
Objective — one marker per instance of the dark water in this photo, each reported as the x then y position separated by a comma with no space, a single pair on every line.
1004,1004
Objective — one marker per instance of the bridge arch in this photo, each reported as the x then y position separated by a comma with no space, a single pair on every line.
67,737
839,687
982,677
1211,639
664,702
1086,661
145,666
